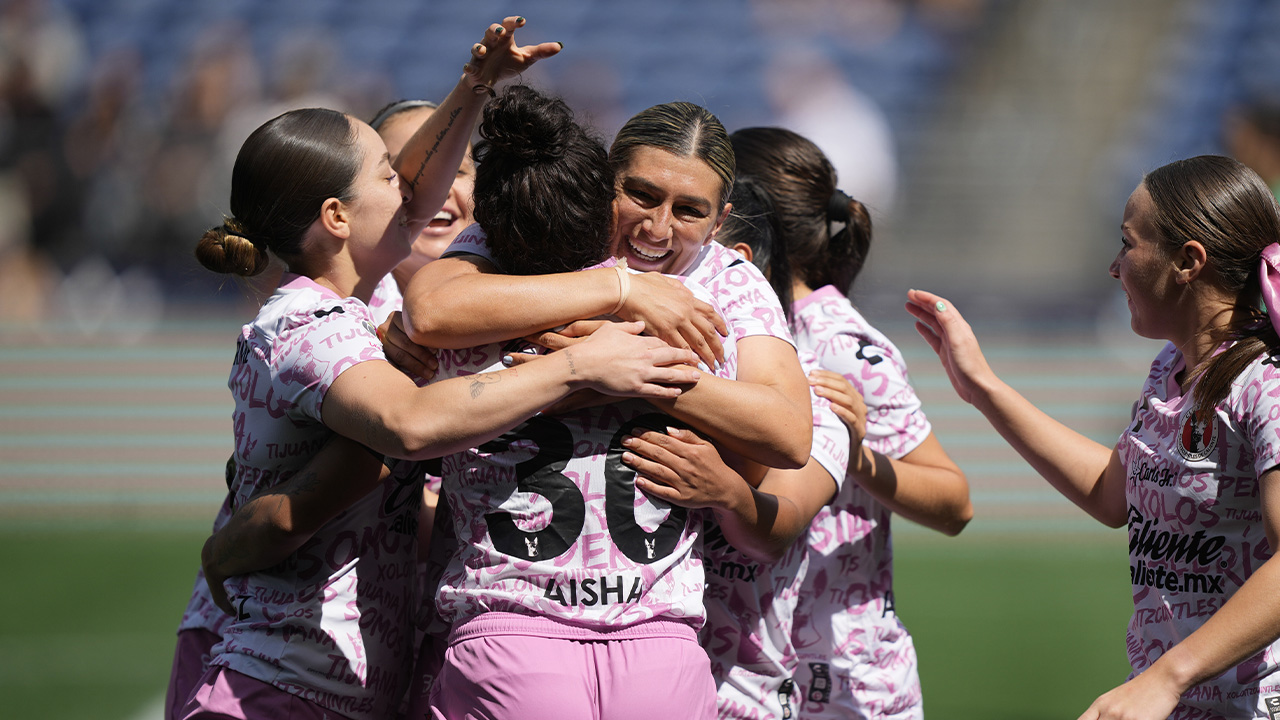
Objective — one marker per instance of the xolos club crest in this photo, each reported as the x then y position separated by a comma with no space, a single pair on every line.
1197,439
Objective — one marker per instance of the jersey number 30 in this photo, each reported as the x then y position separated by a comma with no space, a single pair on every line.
543,474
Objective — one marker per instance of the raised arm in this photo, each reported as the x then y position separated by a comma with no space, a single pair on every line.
686,470
461,302
1088,473
270,526
924,486
430,160
378,406
1244,625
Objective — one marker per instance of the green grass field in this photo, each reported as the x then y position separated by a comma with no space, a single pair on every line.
1007,626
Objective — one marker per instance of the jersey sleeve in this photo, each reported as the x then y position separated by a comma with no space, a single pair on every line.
471,241
749,304
312,355
830,441
746,299
386,299
1260,400
896,423
830,435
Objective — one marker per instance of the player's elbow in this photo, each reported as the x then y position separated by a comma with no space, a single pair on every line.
426,321
958,520
404,433
789,449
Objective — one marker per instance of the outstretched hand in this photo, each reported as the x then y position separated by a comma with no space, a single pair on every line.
953,340
497,56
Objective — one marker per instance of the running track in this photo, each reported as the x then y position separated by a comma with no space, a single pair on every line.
95,432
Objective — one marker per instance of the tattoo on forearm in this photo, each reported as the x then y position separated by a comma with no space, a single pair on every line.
569,356
479,381
453,115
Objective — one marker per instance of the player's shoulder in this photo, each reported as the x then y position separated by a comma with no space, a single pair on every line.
300,307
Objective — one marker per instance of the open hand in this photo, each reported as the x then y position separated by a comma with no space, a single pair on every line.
953,340
497,56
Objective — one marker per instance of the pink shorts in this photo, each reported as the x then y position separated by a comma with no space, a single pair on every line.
190,660
532,677
224,694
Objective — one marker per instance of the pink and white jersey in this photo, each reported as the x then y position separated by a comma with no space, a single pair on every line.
854,652
750,604
332,624
550,525
386,299
1196,530
745,298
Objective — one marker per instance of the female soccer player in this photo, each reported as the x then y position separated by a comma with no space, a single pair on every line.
855,656
754,566
569,595
674,170
1195,474
326,631
202,623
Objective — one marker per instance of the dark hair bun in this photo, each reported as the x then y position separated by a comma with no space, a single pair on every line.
526,127
227,249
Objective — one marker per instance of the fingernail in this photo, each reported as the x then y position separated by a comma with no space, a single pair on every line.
520,20
671,430
940,306
507,360
697,375
560,44
500,30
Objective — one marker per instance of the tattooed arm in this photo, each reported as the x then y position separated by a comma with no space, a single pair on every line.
375,404
429,161
273,524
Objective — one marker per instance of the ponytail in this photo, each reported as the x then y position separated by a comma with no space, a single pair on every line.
848,248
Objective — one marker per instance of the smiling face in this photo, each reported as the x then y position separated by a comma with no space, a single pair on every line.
455,215
668,207
1145,269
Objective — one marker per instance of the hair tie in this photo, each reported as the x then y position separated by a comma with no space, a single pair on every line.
229,229
234,228
1269,280
838,206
